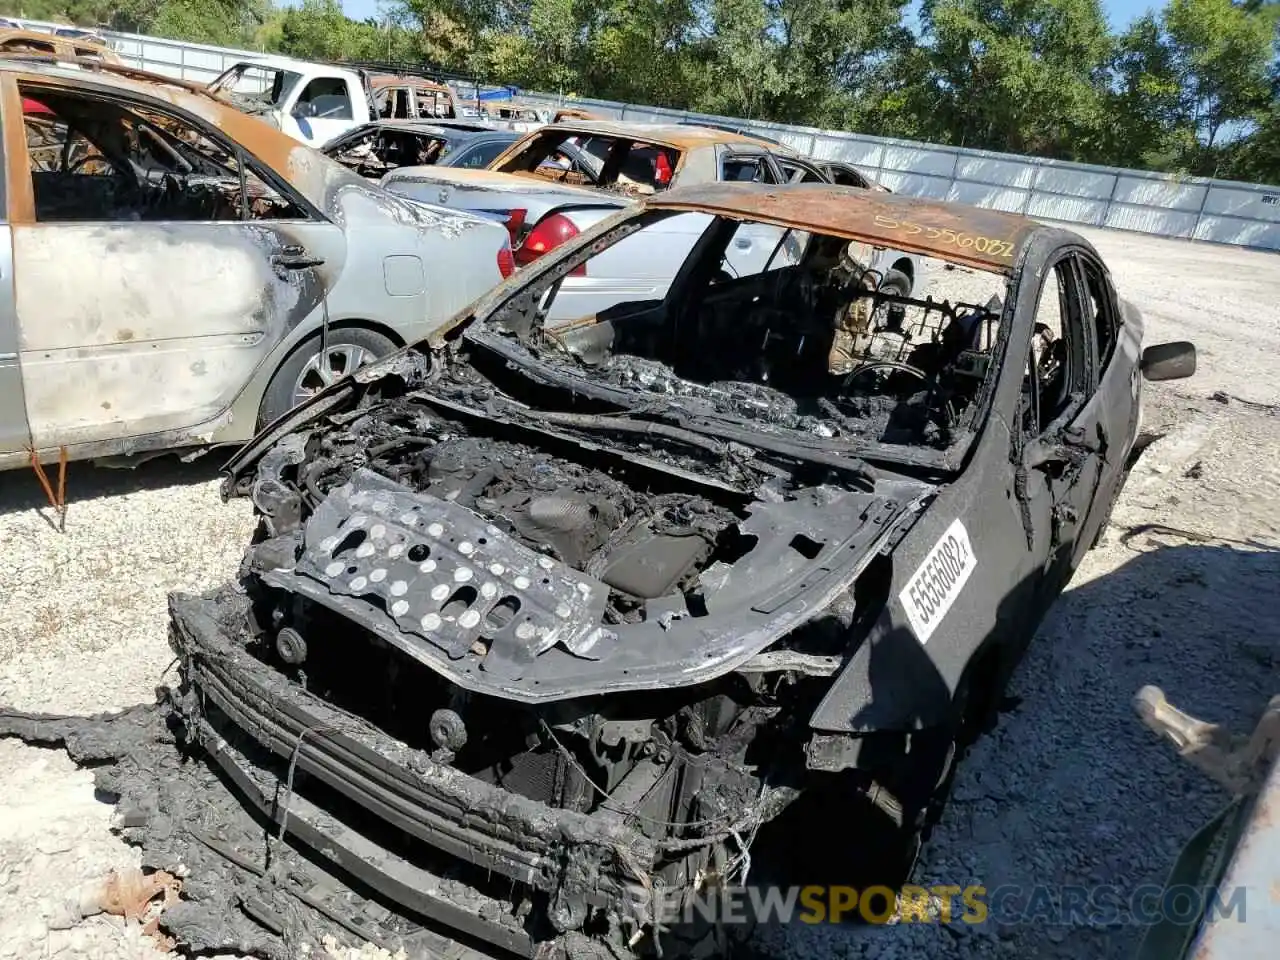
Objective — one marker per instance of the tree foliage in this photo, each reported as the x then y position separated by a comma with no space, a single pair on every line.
1189,88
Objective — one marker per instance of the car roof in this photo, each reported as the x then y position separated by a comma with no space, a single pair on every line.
678,135
988,239
18,33
271,146
380,80
289,63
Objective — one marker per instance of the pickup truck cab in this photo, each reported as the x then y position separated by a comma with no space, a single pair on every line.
412,98
310,102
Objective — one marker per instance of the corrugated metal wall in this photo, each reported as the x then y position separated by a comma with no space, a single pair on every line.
1219,211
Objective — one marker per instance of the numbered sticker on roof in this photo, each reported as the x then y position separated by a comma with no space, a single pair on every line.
938,580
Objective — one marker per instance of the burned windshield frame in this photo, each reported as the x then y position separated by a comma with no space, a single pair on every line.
518,314
282,83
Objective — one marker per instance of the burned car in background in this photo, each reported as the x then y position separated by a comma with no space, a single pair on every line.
73,45
375,149
536,616
224,271
556,182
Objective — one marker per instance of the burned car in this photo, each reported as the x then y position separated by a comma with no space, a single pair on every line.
227,271
539,615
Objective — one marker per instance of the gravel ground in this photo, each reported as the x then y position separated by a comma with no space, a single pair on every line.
1069,789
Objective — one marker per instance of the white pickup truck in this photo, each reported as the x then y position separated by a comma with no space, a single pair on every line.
316,102
311,102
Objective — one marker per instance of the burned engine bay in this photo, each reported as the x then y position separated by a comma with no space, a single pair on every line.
549,633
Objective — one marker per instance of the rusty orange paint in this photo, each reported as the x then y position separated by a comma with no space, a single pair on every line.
986,239
671,135
378,81
32,42
17,174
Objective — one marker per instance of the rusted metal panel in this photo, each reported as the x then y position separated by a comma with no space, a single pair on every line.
675,135
987,239
34,42
19,200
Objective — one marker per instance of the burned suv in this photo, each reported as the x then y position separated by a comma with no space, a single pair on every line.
538,616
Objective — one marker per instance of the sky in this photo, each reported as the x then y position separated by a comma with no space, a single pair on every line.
1120,12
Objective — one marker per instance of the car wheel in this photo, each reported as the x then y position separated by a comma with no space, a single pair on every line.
897,283
307,371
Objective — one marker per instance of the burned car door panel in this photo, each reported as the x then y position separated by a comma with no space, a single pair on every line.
15,434
190,266
1028,489
1063,441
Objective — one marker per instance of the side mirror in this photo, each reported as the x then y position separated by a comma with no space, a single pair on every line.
305,109
1169,361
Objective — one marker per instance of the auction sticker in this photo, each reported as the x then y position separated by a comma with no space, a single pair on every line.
938,580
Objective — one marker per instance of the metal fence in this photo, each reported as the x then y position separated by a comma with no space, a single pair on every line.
1219,211
1197,208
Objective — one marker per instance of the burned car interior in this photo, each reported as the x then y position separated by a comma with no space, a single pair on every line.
375,151
618,164
808,344
99,158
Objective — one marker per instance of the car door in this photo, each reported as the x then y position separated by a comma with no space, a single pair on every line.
145,293
1060,434
14,432
1117,400
322,108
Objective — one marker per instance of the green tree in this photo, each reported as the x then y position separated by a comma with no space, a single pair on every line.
1028,76
1190,86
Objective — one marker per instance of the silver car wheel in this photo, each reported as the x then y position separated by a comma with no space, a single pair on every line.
329,367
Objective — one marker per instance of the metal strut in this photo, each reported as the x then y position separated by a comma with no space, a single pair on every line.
58,501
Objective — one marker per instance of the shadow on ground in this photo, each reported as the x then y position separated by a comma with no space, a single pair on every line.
20,488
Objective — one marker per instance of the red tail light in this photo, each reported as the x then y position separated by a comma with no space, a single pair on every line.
506,262
662,169
551,231
515,223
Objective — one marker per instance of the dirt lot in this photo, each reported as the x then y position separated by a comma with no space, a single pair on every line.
1070,789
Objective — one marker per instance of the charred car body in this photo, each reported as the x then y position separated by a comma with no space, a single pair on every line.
247,271
539,616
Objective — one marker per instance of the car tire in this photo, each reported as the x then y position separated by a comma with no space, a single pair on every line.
896,282
303,369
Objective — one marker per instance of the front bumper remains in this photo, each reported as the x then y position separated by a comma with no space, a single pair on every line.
495,868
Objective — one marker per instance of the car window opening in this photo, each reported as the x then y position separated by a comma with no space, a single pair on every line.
95,159
786,331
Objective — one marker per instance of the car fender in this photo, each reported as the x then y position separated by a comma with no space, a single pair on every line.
900,679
